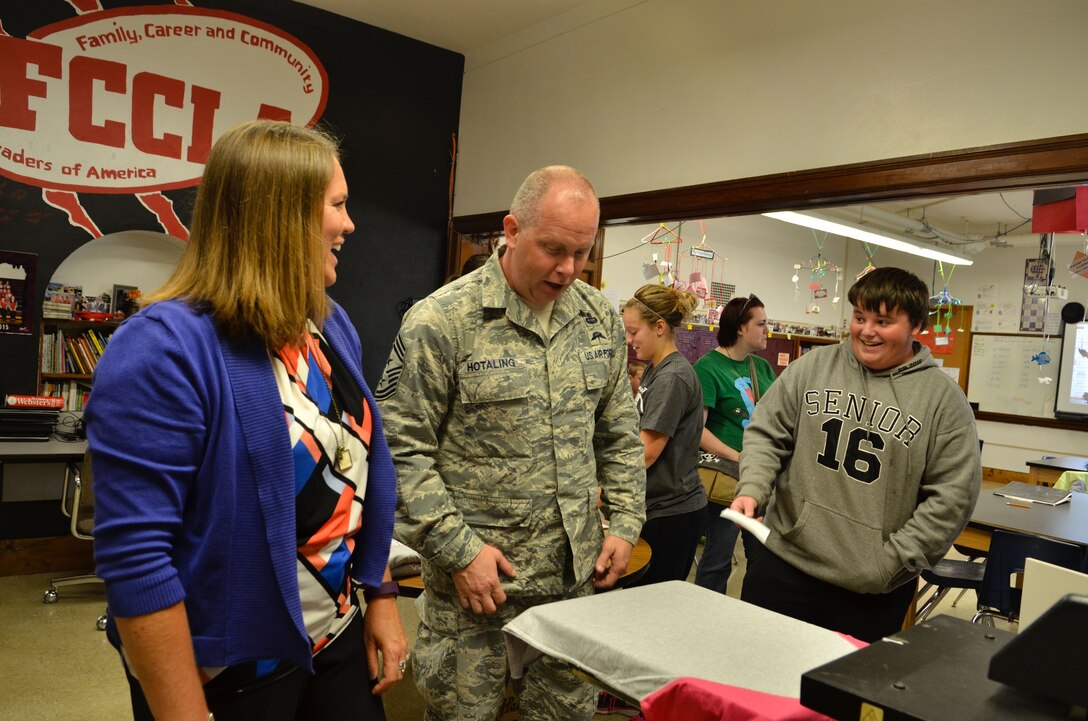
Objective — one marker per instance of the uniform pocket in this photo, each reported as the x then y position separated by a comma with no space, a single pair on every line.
495,406
595,377
508,525
479,509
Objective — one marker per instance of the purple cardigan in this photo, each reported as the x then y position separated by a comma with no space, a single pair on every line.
194,484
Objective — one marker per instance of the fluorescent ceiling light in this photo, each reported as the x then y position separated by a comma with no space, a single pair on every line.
869,235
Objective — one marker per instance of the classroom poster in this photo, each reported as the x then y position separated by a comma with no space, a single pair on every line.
85,127
17,273
1034,308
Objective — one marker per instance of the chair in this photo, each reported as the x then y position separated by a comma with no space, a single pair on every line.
77,502
975,545
949,574
946,575
1000,592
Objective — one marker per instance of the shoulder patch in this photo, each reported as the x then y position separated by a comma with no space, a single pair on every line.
387,386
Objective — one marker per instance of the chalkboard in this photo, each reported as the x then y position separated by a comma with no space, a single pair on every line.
1005,374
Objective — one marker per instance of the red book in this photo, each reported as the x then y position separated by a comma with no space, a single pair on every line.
33,402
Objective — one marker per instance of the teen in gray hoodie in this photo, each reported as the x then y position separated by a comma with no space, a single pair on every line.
864,461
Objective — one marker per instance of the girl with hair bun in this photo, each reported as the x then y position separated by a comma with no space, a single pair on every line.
669,400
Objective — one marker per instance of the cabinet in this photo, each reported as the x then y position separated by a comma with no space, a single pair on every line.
67,354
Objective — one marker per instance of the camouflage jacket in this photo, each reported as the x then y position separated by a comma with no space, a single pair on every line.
502,436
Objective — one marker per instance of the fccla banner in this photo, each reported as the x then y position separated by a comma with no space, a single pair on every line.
130,100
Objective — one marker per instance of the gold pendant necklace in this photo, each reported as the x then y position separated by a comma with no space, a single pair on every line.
342,457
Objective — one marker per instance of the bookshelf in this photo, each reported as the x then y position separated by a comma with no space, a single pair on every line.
67,354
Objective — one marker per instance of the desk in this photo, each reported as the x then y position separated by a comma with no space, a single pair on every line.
640,640
640,558
33,533
1046,471
51,451
935,671
1067,522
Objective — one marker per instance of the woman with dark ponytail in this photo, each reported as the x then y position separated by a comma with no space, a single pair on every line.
733,379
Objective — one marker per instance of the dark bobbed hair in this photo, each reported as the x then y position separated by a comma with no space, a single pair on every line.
736,313
477,260
895,289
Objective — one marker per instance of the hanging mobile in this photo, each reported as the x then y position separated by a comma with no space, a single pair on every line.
943,303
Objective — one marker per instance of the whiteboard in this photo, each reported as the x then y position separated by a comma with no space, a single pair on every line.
1005,379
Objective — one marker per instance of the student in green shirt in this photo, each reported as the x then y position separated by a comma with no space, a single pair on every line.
733,377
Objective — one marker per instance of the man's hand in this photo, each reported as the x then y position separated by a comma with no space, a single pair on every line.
478,584
746,505
612,563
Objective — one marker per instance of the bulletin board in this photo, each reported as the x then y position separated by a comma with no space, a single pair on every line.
1005,374
952,350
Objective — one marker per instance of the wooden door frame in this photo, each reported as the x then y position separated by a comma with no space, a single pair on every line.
1010,166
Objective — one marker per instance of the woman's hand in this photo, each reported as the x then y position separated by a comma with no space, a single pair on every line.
383,631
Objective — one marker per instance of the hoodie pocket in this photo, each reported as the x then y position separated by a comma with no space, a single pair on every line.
838,548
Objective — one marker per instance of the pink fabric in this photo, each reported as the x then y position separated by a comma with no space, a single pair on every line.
693,699
857,642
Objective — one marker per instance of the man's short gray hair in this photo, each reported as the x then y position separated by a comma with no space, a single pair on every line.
526,202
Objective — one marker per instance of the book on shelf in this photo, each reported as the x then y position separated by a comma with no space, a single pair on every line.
90,360
99,346
74,363
74,352
56,311
73,395
22,401
1031,493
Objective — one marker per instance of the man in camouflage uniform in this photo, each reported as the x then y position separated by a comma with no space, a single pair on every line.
506,404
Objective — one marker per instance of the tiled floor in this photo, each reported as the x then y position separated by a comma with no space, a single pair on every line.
54,663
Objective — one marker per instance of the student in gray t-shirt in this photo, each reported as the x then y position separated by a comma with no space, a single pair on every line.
670,404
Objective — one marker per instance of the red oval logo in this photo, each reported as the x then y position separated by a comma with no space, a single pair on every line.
131,100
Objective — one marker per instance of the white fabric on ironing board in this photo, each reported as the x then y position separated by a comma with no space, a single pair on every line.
401,555
637,640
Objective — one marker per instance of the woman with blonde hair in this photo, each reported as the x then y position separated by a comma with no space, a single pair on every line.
669,401
244,487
